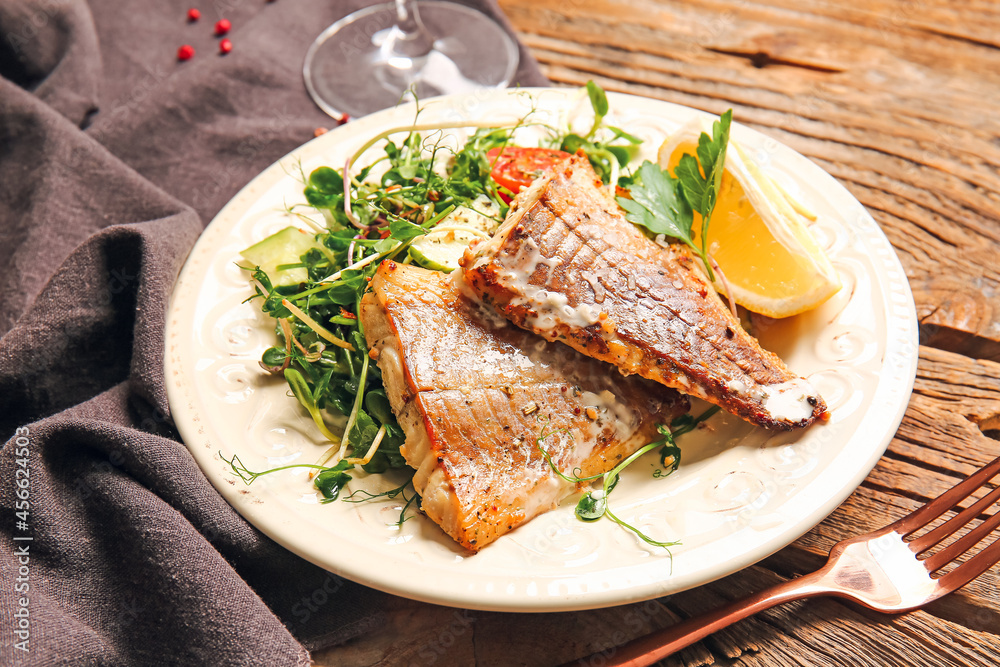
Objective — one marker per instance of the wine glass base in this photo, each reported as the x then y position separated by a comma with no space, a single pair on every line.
347,72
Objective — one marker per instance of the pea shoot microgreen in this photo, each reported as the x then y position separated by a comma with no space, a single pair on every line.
329,481
594,504
410,500
608,148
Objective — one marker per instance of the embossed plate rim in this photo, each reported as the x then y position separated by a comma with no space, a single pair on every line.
515,574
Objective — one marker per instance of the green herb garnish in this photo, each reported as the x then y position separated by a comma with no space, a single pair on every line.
594,504
665,204
329,481
390,494
607,154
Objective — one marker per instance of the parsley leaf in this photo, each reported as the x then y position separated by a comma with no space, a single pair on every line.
664,204
656,204
701,192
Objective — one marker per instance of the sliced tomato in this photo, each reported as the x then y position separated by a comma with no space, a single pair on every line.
515,168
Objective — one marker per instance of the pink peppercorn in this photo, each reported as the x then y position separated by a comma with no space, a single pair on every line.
185,52
193,15
225,46
223,26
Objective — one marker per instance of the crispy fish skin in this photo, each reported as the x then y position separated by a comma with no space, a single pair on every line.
567,265
475,395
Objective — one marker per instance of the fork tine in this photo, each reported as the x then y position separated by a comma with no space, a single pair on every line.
925,542
971,568
960,546
946,500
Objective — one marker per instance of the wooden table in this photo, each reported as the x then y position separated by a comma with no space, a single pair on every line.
899,101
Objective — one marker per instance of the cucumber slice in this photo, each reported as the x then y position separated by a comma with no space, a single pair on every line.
284,247
440,250
442,247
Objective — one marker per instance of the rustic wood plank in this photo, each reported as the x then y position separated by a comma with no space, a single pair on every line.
893,99
832,632
551,639
424,634
970,387
414,634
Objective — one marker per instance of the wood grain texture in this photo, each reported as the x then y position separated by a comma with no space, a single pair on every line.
897,100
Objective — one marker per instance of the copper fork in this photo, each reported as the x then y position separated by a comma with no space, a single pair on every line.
886,570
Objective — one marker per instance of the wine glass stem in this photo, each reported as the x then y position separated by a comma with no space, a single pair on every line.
408,38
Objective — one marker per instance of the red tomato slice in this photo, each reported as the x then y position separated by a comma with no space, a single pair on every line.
515,168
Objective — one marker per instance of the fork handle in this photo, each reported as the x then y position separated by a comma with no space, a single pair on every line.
658,645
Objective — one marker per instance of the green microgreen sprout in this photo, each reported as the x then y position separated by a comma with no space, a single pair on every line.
390,494
300,388
607,154
329,481
594,504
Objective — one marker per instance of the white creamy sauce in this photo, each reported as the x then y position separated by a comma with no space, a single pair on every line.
737,386
683,379
581,316
595,284
607,404
520,267
524,362
691,388
789,400
551,308
457,279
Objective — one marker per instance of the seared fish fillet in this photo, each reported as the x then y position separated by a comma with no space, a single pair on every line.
475,395
567,265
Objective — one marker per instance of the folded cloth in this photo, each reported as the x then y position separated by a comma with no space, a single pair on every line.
114,154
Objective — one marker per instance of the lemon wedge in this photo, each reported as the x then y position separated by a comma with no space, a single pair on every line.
758,235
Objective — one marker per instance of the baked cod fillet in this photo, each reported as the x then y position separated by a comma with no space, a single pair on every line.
567,265
475,395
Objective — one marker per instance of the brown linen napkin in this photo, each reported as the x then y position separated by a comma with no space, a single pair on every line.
113,157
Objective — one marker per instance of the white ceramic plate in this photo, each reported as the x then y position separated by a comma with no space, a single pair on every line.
740,494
